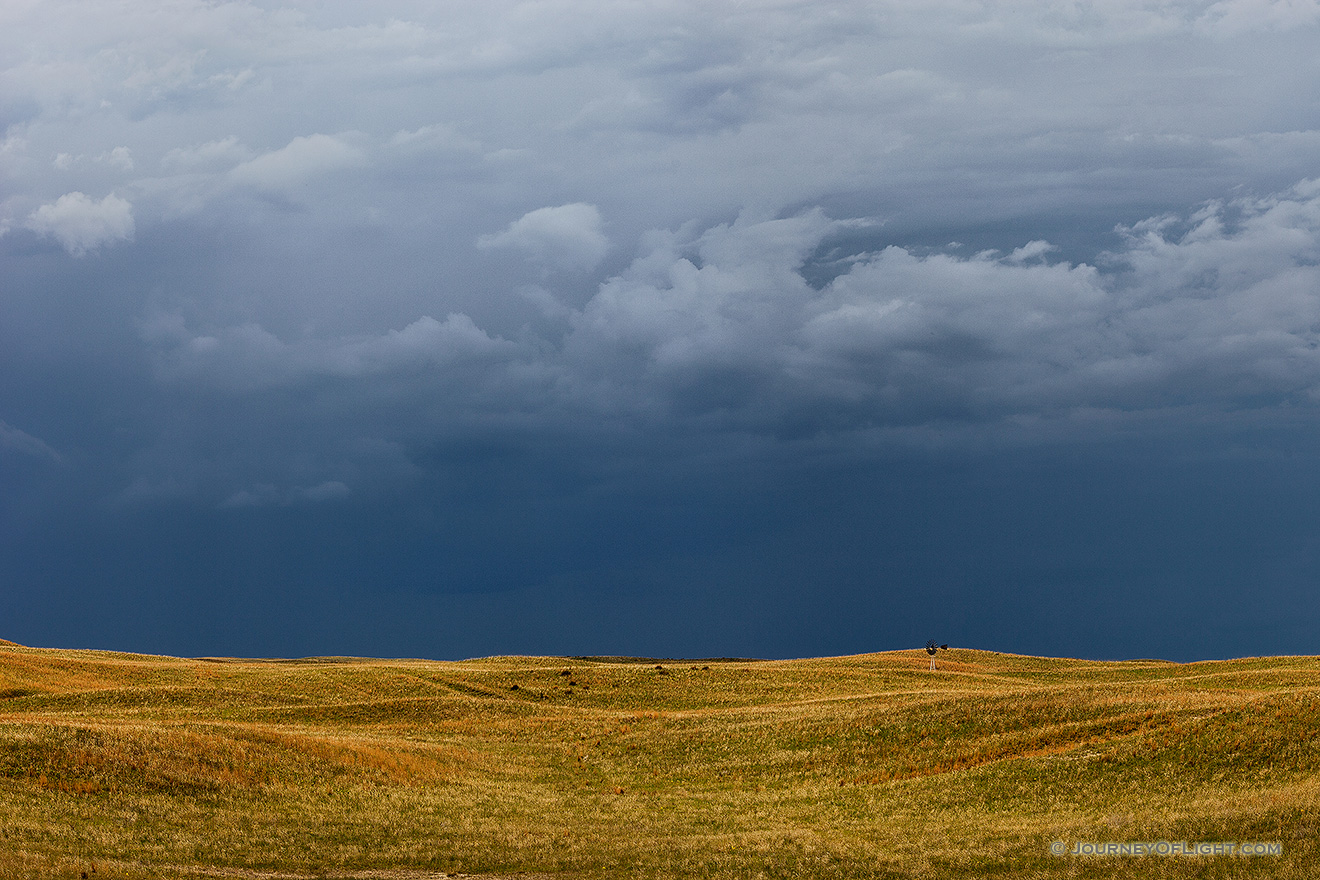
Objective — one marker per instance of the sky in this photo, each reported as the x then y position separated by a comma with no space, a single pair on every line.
755,328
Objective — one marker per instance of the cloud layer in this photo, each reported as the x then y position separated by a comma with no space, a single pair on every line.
717,331
491,274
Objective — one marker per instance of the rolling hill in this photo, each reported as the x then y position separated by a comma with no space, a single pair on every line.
862,766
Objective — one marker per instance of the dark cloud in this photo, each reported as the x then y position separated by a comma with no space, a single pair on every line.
756,329
1213,311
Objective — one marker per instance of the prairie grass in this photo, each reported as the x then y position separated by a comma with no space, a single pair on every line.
866,766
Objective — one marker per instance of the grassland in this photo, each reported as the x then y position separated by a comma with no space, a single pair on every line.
865,766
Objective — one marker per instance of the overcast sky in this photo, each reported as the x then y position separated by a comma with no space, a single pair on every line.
763,328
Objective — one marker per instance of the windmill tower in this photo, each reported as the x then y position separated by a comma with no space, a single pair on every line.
931,648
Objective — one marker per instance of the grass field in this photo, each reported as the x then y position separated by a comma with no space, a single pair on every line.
129,766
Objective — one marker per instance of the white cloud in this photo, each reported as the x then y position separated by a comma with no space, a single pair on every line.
249,357
231,79
715,334
1220,309
120,158
220,155
302,158
434,138
726,296
81,225
564,237
424,341
1032,250
1215,310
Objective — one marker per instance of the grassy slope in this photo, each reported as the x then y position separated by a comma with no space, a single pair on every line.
843,767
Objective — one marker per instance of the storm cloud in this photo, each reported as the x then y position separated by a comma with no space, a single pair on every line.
321,327
717,331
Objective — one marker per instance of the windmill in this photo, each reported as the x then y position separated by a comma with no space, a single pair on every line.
931,648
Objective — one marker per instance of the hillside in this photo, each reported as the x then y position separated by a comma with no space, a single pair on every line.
864,766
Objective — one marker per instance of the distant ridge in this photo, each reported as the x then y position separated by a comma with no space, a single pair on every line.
10,644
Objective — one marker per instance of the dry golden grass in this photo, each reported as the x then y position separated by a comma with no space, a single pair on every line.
867,766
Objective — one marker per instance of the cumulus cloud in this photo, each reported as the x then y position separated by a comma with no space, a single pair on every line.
724,321
120,158
300,159
80,224
1219,309
1215,310
564,237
